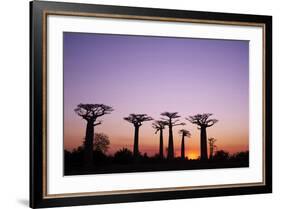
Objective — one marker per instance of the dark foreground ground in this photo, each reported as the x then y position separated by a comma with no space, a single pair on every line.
75,169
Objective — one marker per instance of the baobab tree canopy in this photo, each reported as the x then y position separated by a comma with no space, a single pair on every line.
137,119
202,120
91,112
159,125
170,116
185,133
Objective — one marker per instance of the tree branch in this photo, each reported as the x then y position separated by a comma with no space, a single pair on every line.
179,124
98,123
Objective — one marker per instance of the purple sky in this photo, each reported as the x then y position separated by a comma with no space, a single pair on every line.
138,74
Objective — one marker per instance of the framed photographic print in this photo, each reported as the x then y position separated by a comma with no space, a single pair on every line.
139,104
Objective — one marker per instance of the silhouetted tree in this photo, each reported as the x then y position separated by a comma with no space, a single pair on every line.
77,155
241,156
101,142
184,133
90,113
67,160
159,125
123,156
221,155
99,158
172,121
212,146
203,122
137,120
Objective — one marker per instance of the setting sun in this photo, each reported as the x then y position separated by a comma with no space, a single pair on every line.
192,155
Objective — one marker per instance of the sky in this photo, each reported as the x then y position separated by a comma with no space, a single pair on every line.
151,75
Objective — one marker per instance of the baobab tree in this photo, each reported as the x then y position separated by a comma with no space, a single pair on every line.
90,113
203,121
171,119
137,120
184,133
212,146
159,125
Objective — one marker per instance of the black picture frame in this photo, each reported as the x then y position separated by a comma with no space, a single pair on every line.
38,12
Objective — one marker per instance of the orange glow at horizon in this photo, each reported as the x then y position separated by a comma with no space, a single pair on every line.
149,141
190,154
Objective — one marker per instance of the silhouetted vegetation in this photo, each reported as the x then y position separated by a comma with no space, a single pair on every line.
203,122
137,120
159,125
171,119
123,156
221,155
101,142
240,156
212,147
124,161
90,113
92,156
184,133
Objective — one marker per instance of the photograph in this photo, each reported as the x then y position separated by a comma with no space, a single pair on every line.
135,103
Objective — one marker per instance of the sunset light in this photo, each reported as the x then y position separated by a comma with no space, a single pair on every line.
202,84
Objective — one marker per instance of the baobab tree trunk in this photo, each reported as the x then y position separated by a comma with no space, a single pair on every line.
171,144
182,148
88,146
161,145
203,142
211,153
136,142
